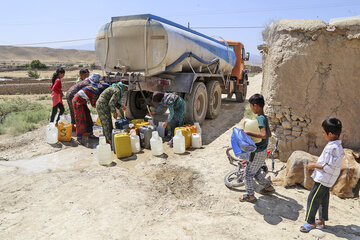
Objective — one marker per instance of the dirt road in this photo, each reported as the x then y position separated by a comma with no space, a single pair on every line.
65,194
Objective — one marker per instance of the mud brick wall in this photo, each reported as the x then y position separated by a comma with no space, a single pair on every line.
311,71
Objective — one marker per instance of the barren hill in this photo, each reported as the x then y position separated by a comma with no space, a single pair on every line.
45,54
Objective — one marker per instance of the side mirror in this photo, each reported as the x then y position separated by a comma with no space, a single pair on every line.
247,56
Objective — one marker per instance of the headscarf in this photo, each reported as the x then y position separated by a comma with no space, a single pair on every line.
120,86
169,98
95,78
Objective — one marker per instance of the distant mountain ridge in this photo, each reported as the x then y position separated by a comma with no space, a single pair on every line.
45,55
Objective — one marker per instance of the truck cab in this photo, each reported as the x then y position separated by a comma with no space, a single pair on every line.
239,73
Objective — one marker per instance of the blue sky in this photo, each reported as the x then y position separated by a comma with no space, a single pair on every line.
35,21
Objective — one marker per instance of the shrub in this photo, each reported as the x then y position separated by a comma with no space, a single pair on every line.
36,64
93,66
18,116
265,33
33,73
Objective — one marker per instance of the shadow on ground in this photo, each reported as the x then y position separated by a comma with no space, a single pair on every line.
230,114
349,232
276,207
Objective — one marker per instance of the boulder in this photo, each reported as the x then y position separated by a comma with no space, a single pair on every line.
296,173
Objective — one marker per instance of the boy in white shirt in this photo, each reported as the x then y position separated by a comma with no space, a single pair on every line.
326,172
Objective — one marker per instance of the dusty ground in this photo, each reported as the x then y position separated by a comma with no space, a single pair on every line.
60,192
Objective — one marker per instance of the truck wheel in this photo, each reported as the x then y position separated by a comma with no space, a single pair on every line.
196,103
123,100
241,96
214,99
137,105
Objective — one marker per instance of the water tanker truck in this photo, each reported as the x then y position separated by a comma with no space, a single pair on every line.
150,53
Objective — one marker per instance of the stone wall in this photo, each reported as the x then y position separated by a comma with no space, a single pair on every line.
311,71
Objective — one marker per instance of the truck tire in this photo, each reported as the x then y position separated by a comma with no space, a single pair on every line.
127,112
241,96
196,103
214,99
137,105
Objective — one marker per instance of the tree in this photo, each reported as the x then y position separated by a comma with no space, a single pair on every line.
36,64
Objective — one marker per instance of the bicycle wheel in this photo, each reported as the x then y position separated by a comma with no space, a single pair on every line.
234,179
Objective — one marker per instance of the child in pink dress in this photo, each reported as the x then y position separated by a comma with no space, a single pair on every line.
57,94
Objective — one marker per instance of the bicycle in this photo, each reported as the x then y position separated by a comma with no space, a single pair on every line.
235,178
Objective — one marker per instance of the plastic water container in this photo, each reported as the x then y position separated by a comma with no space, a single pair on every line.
103,152
98,122
114,132
145,132
193,128
135,141
160,129
156,144
122,145
138,125
195,140
179,142
51,133
198,130
64,131
186,132
122,123
136,121
252,126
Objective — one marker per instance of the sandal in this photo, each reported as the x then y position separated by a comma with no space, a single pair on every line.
246,198
307,227
266,192
319,224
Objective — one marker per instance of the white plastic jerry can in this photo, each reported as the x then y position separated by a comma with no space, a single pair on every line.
156,144
135,141
179,142
51,133
103,152
198,130
195,140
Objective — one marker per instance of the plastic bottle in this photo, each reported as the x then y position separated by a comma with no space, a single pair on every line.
195,140
103,152
179,142
135,141
156,144
51,133
198,130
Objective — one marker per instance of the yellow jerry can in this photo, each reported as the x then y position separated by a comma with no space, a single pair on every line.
122,145
138,125
98,122
186,132
192,127
136,121
64,131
